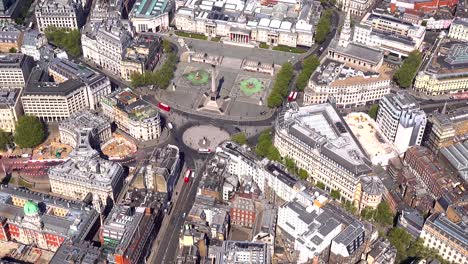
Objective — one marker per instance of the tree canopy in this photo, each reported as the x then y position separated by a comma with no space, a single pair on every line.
265,147
68,40
303,175
30,132
405,74
410,249
335,194
374,109
239,138
323,26
166,46
383,214
308,67
160,78
320,185
281,87
5,139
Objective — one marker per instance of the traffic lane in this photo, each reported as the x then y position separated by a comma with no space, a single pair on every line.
182,206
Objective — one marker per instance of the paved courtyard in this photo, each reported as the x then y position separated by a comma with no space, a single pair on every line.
205,136
242,93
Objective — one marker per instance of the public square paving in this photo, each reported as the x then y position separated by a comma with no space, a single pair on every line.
242,91
204,137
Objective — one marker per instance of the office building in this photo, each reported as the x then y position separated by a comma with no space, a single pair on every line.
41,220
51,101
243,211
429,171
243,252
10,109
347,86
421,5
15,69
67,14
163,169
355,7
98,128
133,115
446,129
401,120
411,220
317,138
33,41
315,226
150,16
11,38
127,233
85,172
448,238
455,158
72,252
10,10
97,85
382,252
106,10
252,22
459,29
346,50
388,33
445,71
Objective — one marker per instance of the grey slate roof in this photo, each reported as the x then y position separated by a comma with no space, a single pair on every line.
358,51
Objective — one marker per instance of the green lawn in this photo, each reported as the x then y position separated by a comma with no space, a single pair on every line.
289,49
216,39
263,45
191,35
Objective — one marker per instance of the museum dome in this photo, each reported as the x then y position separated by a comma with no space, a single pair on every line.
30,208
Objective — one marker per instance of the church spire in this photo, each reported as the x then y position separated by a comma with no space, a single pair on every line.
345,35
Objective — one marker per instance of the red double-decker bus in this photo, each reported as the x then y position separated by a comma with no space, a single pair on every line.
164,107
187,176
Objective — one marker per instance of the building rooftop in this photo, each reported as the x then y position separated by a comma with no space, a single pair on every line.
149,8
336,74
75,224
449,60
353,50
371,138
457,155
72,70
8,98
76,252
11,60
455,232
40,83
258,252
321,127
84,120
125,226
128,101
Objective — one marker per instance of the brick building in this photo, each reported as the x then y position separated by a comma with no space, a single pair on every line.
242,211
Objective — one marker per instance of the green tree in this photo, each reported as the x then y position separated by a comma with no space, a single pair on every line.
239,138
401,240
323,26
368,213
405,74
30,132
5,139
68,40
273,153
373,111
349,207
335,194
308,67
290,164
166,46
281,87
12,50
320,185
303,175
160,78
383,214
